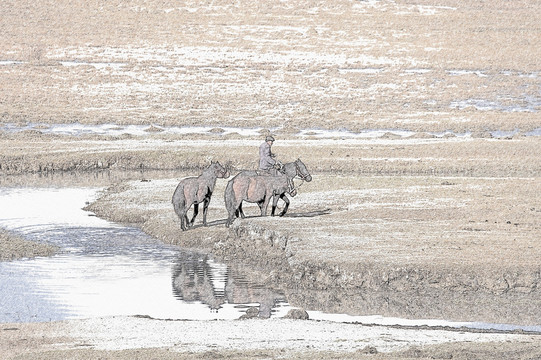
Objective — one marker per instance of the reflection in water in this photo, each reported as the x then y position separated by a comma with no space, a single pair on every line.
196,277
107,269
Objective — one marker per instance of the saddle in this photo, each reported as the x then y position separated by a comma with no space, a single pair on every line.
270,172
274,171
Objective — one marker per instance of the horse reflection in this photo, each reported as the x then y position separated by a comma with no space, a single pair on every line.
196,277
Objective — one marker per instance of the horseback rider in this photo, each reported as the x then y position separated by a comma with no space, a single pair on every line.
269,166
266,157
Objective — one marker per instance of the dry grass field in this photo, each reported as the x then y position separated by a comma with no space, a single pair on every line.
418,119
421,65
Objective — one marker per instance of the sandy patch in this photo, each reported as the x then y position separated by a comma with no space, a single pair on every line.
126,337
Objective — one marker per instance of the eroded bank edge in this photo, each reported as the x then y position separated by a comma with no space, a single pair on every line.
467,294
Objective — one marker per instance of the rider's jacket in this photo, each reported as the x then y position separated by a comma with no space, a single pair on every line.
266,162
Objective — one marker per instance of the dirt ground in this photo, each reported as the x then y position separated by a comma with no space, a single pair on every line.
143,338
435,216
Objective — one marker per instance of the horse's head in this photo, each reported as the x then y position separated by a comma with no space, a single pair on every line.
302,171
219,170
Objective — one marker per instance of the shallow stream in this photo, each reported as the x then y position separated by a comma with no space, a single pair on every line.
104,268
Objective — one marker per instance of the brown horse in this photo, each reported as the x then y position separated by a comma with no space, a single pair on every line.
252,186
196,190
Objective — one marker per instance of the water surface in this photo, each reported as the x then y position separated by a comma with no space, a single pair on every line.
105,268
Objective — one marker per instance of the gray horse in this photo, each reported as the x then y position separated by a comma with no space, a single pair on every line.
255,187
196,190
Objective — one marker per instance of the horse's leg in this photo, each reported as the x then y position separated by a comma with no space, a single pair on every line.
195,212
240,212
274,204
179,205
183,219
286,200
230,216
206,203
260,204
186,222
265,204
182,216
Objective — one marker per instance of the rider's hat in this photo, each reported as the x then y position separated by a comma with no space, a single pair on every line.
269,138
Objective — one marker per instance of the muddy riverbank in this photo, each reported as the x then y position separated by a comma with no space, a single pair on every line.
444,228
398,246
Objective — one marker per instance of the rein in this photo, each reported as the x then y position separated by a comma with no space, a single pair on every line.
299,174
222,173
217,172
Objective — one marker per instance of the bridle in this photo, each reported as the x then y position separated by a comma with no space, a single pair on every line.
298,171
300,175
222,173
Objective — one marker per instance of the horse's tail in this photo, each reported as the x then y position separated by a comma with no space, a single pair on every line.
229,197
179,200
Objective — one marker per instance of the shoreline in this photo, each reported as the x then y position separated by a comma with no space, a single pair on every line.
393,235
421,228
386,289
